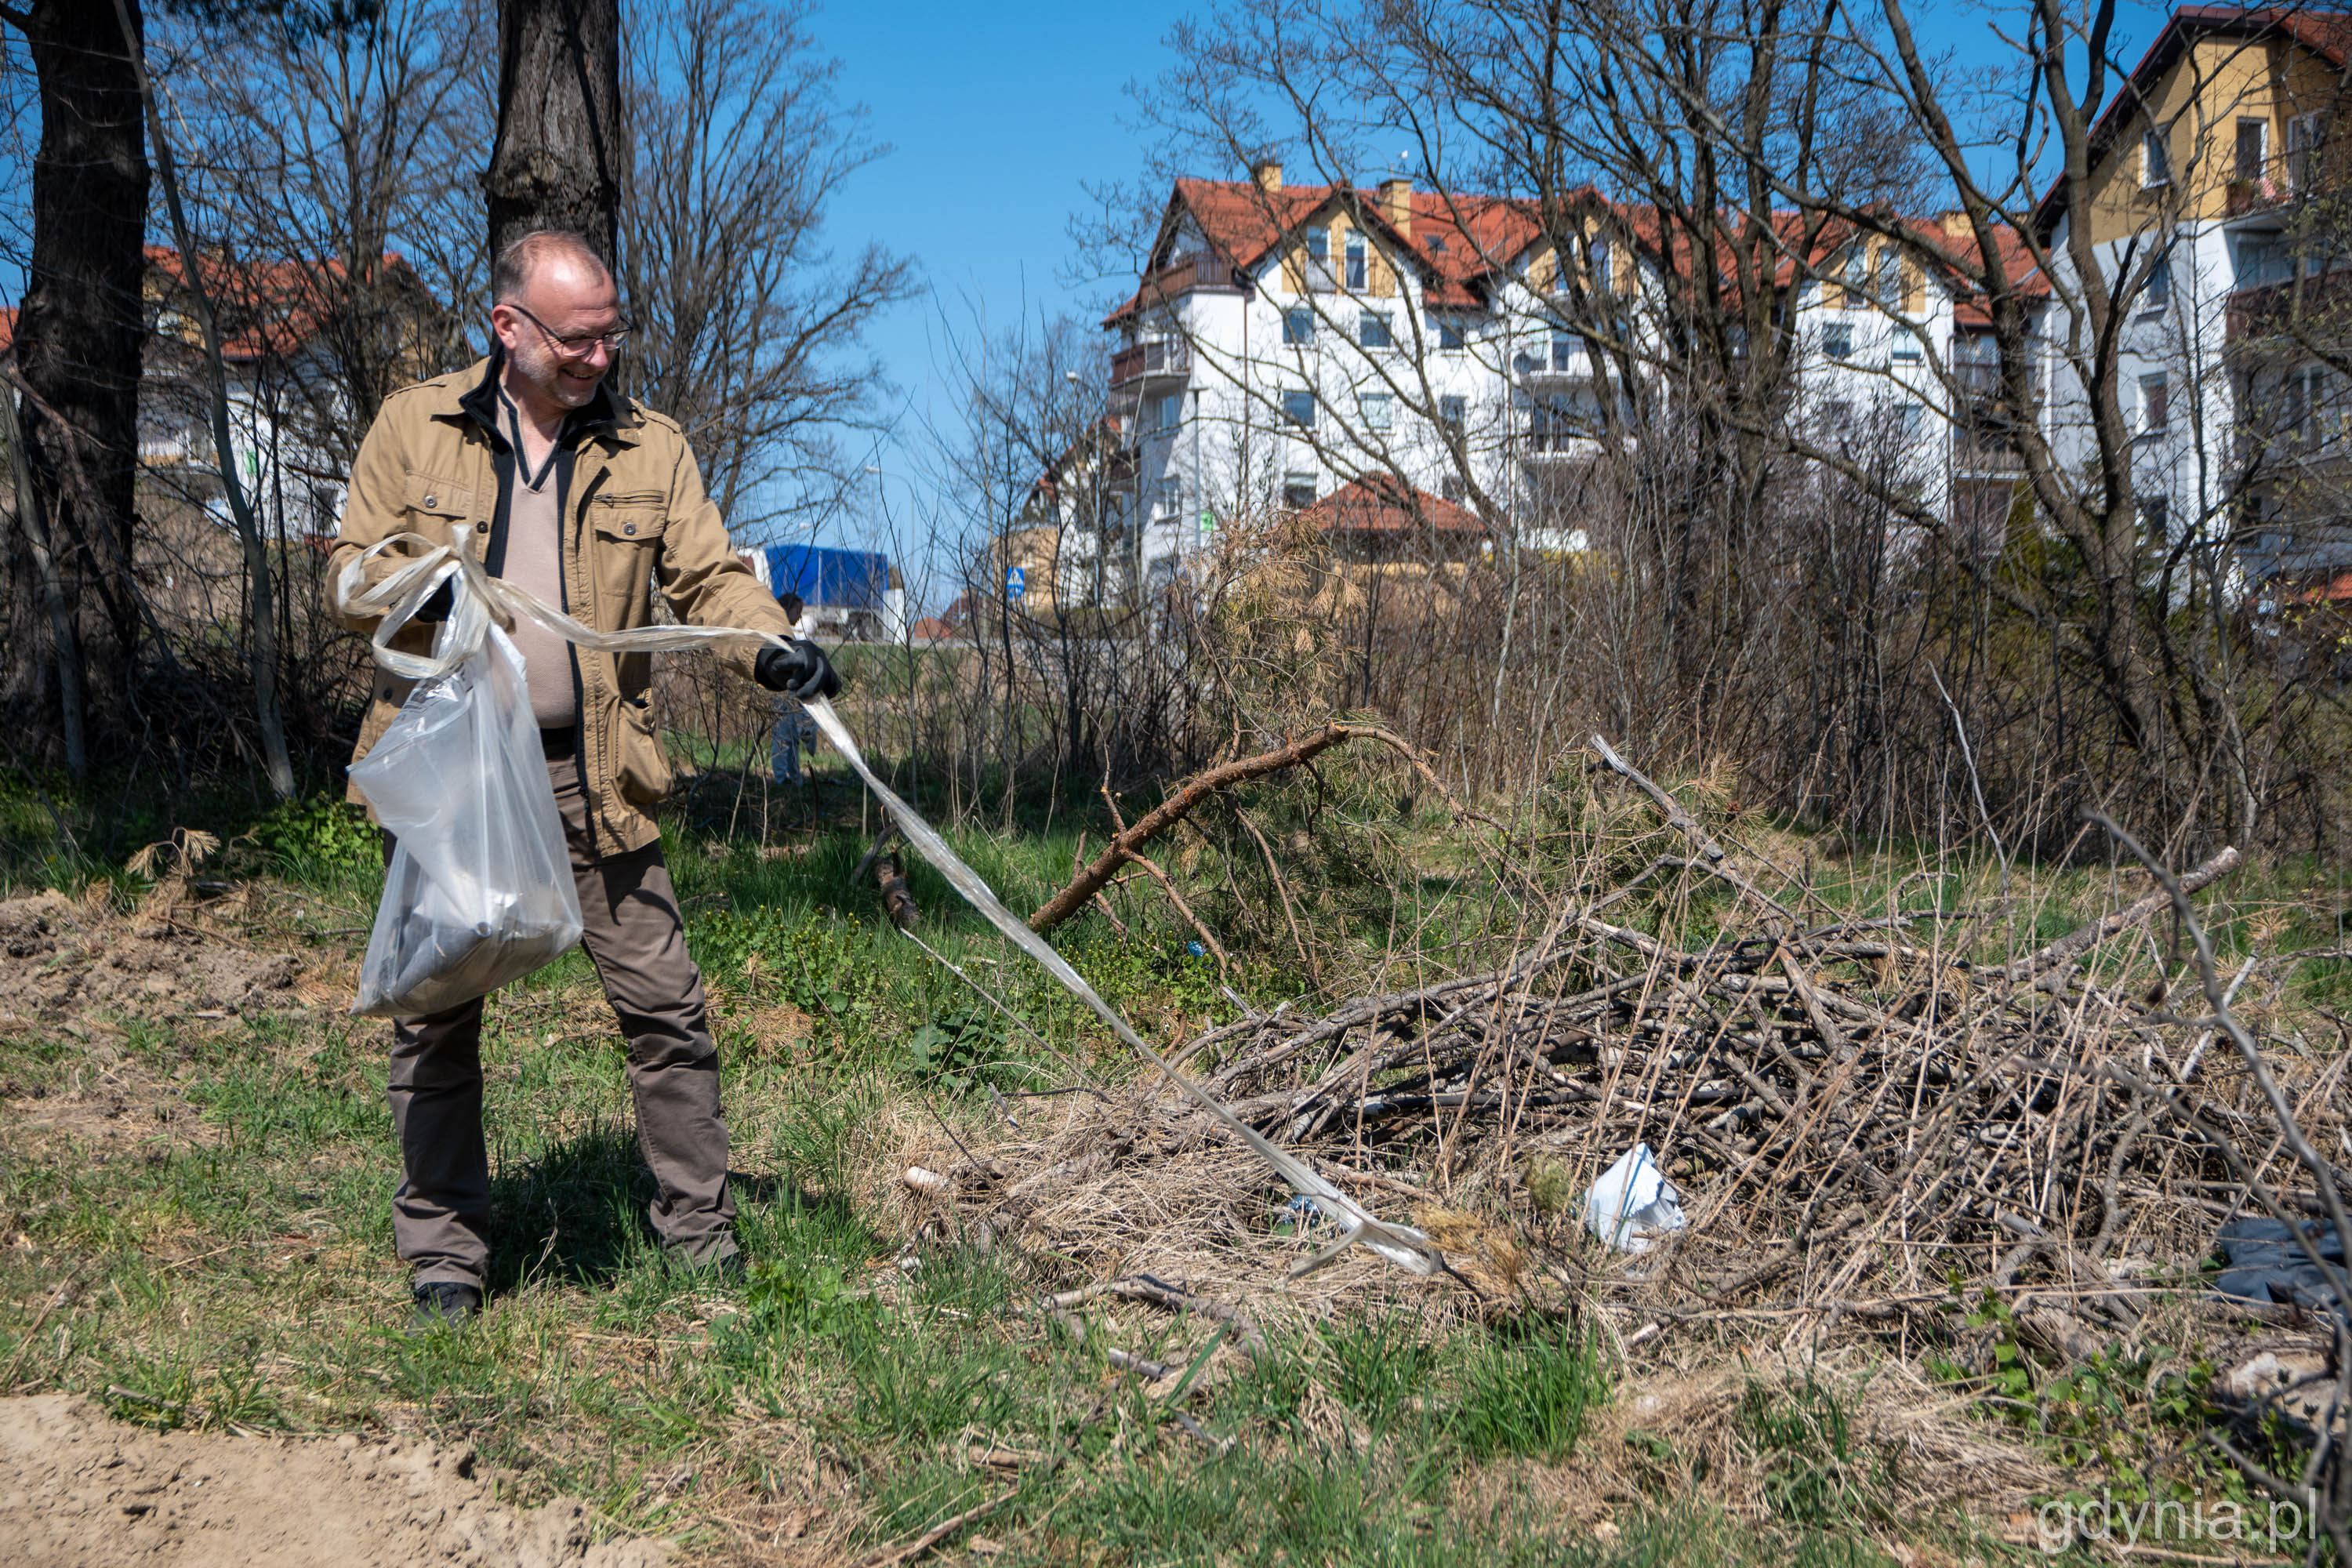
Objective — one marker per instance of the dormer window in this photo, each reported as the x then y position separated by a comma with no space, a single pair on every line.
1438,244
1359,266
1319,244
2155,160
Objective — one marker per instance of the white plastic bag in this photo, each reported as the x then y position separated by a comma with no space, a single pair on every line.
1632,1203
480,890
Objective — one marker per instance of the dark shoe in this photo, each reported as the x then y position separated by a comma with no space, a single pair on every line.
445,1303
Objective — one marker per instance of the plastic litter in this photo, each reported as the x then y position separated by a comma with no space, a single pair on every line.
2268,1266
480,890
1632,1203
1301,1213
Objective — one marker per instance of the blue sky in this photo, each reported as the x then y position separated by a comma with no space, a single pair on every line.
1000,116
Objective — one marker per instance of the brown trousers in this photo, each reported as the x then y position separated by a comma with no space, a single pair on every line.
440,1215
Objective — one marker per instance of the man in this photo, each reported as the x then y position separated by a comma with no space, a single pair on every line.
592,502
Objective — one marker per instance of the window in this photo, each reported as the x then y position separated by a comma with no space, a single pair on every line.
1318,257
1841,416
1298,325
1377,408
1911,420
1452,411
2158,293
1297,491
1563,351
1908,353
1601,260
2156,516
1437,245
2253,139
2155,159
1857,277
2304,406
1449,334
1451,488
1298,409
1168,411
1372,331
2302,137
2263,259
2154,402
1837,341
1358,269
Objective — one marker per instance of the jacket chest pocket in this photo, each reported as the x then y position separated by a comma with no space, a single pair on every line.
623,532
432,503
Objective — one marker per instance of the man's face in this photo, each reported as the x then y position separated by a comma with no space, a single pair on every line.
564,299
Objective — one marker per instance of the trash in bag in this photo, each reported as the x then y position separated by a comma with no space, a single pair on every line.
480,890
1632,1203
2267,1265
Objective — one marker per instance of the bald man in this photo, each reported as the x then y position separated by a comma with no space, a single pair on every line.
593,503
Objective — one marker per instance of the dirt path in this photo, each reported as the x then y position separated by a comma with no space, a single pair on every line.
78,1490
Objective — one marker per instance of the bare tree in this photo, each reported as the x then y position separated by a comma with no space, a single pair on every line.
744,328
74,613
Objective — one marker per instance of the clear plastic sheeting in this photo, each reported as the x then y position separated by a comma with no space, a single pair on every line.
480,890
482,600
1632,1203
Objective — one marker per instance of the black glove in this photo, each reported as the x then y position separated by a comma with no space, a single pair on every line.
801,670
438,607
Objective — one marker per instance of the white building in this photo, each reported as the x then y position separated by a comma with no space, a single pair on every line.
1288,339
2201,171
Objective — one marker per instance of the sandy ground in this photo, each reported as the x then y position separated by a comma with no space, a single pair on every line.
78,1490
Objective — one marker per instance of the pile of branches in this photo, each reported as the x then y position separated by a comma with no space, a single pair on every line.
1845,1081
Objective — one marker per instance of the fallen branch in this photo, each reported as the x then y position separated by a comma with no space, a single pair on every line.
2067,948
1675,816
1123,848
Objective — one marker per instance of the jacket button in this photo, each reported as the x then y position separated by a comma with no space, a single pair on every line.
481,527
628,527
432,500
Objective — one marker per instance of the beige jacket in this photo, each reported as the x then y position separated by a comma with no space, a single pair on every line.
636,518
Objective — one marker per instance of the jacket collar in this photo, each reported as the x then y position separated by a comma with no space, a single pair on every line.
614,419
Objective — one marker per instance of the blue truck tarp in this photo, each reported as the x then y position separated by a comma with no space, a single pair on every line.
835,579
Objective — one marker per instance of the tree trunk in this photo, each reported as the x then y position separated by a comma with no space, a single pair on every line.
560,143
77,346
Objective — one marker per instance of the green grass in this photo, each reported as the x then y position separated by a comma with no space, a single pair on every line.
231,1265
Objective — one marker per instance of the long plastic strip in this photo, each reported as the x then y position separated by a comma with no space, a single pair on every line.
397,598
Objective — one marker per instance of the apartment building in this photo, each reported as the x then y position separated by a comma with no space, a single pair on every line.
2203,170
1287,342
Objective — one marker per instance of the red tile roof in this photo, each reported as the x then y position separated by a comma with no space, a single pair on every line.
267,308
7,329
1457,241
1383,504
1461,242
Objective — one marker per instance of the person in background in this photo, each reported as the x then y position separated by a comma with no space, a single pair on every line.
795,730
590,501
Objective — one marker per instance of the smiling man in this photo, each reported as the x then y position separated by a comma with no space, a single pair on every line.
592,502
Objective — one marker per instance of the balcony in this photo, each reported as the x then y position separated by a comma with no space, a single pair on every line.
1985,422
1198,270
2246,198
1154,359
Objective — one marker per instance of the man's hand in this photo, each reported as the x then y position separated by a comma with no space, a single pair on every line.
801,671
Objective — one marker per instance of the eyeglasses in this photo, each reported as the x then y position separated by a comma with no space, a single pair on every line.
578,346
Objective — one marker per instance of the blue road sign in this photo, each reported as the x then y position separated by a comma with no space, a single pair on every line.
1016,582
